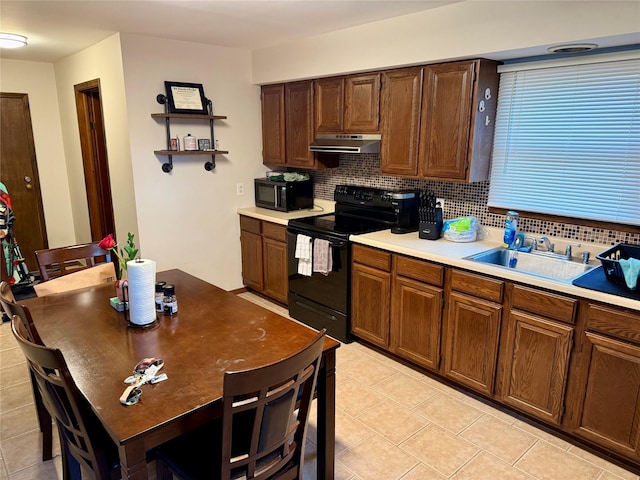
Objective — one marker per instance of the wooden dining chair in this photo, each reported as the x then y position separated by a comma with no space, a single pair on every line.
11,309
83,440
263,428
56,262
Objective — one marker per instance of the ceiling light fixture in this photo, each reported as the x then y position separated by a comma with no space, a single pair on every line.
12,40
572,48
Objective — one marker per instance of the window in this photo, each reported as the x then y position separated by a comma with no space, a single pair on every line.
567,139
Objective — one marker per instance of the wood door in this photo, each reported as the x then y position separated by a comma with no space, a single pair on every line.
299,123
362,103
401,95
273,125
416,322
274,248
472,341
94,159
252,272
329,105
19,173
446,117
370,294
537,365
609,413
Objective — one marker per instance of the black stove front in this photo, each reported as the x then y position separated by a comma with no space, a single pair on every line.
324,300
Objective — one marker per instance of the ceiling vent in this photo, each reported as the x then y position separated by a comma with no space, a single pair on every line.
572,48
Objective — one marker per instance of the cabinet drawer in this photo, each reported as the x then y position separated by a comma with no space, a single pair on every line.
544,303
419,270
373,257
618,322
274,231
477,285
250,224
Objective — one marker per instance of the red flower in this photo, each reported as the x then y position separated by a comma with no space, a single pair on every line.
107,243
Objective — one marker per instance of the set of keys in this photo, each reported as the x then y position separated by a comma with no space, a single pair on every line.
144,372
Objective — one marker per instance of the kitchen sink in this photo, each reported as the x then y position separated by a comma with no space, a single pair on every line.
543,264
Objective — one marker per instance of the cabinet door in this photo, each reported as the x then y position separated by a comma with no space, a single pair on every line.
472,341
537,365
273,125
609,414
445,123
329,105
401,94
362,103
416,321
276,283
299,123
370,293
251,246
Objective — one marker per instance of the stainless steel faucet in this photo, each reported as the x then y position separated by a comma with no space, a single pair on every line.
567,251
549,246
534,242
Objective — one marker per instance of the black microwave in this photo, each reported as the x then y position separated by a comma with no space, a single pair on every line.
283,196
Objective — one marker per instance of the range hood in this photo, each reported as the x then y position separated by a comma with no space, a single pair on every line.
346,143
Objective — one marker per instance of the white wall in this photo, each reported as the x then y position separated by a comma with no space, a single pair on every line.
187,219
461,30
101,61
37,80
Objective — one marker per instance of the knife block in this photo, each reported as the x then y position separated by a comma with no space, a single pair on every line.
431,230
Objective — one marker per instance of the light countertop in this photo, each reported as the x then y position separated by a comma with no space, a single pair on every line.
452,254
320,207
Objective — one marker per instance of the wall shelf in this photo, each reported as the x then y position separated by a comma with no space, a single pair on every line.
167,117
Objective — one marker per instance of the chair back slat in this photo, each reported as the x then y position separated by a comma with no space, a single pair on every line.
56,262
265,415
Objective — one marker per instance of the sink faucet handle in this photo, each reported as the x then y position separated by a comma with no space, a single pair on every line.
534,241
547,243
585,256
567,252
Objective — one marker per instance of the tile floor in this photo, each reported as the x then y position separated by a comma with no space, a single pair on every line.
391,423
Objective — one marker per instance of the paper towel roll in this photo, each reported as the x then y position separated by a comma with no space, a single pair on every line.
142,279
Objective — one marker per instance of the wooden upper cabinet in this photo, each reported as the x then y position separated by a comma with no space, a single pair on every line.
329,105
457,120
400,122
348,104
273,125
299,123
362,103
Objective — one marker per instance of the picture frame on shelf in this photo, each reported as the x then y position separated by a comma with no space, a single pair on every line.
204,144
186,98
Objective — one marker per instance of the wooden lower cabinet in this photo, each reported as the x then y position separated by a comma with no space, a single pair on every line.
264,257
537,363
608,408
371,291
471,350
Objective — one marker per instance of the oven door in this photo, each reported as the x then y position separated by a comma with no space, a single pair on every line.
321,301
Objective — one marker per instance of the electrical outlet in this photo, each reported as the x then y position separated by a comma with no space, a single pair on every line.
440,203
240,189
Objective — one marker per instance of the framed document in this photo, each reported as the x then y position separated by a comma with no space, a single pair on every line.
186,98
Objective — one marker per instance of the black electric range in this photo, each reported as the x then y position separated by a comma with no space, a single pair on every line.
323,300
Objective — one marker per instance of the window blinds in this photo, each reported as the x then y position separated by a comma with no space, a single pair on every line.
567,141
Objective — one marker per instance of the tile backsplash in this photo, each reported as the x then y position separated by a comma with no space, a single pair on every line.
460,199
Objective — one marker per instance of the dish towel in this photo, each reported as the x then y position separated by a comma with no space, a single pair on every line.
303,254
631,270
322,261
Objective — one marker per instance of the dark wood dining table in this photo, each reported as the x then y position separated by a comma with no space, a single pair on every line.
213,332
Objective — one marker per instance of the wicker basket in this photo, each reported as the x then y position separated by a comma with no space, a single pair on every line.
609,259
